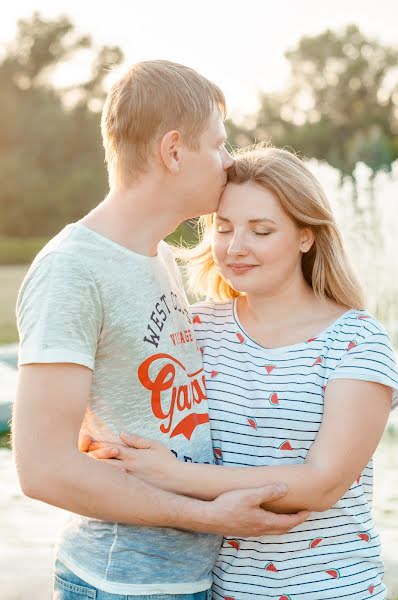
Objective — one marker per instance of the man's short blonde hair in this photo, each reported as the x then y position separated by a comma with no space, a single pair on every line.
152,98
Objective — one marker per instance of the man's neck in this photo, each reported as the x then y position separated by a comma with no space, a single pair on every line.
135,219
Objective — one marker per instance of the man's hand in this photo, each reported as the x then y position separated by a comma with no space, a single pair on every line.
239,513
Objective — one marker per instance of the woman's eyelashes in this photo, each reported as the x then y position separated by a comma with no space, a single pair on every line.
224,229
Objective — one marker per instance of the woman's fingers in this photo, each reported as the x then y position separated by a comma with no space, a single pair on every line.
85,442
103,453
136,441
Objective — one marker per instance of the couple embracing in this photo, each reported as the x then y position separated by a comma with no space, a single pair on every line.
220,450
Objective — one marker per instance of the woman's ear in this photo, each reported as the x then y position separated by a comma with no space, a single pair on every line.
171,151
307,239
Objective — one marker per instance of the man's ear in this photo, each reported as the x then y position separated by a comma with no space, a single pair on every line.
171,151
307,239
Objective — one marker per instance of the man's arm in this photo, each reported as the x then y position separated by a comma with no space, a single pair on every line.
354,419
49,408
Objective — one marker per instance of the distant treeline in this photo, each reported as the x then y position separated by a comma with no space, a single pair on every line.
341,106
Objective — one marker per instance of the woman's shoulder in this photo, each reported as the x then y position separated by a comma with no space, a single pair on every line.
358,325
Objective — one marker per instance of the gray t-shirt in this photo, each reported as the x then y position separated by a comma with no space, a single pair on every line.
89,301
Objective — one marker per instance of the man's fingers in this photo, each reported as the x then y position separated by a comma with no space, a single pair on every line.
135,441
282,523
268,493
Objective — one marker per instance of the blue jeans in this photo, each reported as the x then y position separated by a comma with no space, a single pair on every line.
68,586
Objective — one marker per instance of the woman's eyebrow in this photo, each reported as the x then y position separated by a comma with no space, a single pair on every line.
262,220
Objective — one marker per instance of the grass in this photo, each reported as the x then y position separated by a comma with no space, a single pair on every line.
20,251
5,440
10,280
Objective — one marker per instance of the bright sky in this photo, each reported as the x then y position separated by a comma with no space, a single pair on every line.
239,44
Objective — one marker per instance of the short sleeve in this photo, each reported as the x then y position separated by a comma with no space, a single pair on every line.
370,359
59,313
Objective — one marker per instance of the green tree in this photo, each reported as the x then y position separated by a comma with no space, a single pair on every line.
342,102
51,157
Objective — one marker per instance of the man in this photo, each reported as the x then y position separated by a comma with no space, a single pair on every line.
107,345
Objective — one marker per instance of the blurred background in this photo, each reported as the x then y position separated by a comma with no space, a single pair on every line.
319,78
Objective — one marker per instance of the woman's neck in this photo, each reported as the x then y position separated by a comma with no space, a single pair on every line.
288,316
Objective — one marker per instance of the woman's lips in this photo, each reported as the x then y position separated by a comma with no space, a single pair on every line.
240,269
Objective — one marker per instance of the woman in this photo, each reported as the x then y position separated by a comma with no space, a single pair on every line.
299,384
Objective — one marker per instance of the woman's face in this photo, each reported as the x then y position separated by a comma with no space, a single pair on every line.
255,244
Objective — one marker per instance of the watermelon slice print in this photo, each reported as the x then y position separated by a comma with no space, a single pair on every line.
364,536
351,345
284,597
311,340
286,446
270,368
214,374
234,544
218,452
333,573
229,597
362,317
358,479
274,399
371,589
252,423
315,542
318,361
196,319
271,567
240,338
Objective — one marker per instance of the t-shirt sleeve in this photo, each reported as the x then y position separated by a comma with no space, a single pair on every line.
370,359
59,313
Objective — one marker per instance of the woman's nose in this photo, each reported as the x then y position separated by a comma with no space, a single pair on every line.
237,246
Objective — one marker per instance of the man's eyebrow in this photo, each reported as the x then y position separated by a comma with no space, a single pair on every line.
265,219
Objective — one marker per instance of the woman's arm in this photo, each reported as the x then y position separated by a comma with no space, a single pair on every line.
355,415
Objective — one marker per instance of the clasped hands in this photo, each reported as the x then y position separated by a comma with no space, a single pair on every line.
142,457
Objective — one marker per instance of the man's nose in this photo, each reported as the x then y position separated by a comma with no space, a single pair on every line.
228,160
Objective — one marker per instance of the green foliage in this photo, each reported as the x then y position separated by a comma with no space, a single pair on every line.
52,163
341,105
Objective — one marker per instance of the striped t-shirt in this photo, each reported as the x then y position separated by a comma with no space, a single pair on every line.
265,408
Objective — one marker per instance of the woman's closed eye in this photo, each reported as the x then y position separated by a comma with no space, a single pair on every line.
223,229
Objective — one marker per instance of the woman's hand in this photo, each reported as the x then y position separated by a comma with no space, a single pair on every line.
144,458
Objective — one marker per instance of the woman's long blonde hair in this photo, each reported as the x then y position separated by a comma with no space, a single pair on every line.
326,267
